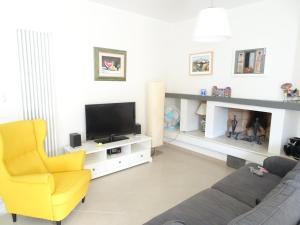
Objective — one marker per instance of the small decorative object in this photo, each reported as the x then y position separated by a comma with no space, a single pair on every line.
172,118
289,92
250,61
201,63
202,112
232,131
292,148
221,92
109,64
257,172
203,92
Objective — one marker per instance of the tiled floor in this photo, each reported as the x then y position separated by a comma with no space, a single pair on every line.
133,196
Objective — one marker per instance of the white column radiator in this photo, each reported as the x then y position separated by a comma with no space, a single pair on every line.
37,81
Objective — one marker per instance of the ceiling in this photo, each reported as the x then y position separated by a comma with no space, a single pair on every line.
171,10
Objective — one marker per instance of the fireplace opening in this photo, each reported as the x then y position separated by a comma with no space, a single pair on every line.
248,125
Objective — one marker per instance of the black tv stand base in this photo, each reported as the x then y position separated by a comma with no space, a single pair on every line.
111,138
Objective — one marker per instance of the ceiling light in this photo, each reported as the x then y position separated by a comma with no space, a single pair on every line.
212,25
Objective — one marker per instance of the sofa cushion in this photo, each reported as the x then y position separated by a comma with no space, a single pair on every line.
280,207
247,187
278,165
294,174
209,207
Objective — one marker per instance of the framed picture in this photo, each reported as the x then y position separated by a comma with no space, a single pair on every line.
109,64
251,61
201,63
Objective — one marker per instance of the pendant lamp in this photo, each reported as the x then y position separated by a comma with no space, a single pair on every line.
212,25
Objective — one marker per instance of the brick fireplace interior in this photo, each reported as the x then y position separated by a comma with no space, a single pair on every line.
248,125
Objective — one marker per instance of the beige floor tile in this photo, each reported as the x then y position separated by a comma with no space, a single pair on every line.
133,196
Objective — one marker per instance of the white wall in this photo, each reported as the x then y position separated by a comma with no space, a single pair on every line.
105,27
156,50
297,64
78,26
272,24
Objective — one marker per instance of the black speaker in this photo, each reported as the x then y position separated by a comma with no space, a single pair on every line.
75,140
137,129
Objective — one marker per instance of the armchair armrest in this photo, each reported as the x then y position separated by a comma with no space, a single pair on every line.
64,163
43,179
279,166
29,194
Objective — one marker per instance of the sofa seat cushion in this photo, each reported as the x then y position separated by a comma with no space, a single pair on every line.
69,184
209,207
280,207
247,187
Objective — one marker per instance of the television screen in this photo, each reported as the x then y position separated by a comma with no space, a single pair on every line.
102,120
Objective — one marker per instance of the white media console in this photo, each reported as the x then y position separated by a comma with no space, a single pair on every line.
134,151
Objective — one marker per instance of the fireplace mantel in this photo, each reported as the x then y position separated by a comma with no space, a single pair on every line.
243,101
213,142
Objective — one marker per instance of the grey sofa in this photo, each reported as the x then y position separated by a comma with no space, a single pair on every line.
243,198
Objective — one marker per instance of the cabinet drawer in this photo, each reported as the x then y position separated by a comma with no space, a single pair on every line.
97,169
117,163
139,156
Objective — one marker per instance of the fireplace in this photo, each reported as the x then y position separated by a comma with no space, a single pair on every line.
272,137
249,125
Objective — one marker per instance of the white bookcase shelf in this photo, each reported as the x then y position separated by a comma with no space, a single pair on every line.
134,151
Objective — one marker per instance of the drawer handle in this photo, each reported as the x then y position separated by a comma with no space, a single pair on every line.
93,169
120,162
142,156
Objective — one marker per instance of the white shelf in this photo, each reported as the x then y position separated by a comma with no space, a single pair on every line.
92,147
196,141
138,147
134,151
113,156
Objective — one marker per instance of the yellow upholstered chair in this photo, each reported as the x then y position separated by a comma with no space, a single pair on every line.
33,184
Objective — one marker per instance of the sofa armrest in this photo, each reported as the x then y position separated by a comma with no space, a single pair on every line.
67,162
279,166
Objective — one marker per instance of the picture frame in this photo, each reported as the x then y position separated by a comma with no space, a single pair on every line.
201,63
109,64
250,62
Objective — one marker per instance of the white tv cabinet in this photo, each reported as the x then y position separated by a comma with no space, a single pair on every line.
135,150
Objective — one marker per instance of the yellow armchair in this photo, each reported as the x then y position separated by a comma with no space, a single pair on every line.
33,184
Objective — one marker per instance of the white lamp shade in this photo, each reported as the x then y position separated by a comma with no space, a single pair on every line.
212,26
202,109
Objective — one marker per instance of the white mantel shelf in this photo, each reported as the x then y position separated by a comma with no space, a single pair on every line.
243,101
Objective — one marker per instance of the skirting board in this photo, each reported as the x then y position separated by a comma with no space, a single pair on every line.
2,207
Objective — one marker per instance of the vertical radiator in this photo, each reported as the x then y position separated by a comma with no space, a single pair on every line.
37,81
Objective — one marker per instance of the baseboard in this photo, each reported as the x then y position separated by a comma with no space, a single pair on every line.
2,207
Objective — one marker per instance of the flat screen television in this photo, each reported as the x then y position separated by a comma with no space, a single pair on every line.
103,120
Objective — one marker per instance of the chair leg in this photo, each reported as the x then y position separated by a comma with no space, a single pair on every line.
58,222
83,200
14,217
